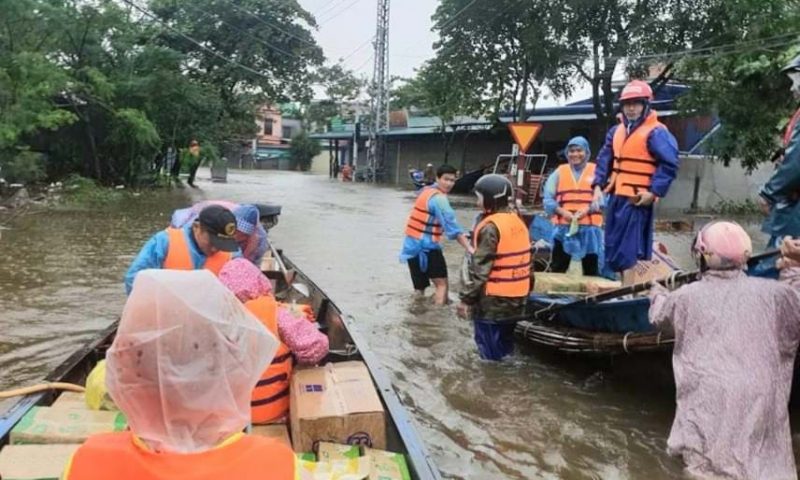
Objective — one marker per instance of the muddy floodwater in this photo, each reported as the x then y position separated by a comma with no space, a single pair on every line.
537,415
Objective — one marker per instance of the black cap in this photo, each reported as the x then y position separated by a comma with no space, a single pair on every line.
220,223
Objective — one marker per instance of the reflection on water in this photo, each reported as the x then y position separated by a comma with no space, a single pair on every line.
536,416
60,280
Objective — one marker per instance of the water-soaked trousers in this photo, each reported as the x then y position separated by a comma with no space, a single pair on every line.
495,340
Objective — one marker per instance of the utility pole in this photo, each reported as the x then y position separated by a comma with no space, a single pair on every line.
380,91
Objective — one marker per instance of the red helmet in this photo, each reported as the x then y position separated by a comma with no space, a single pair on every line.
636,90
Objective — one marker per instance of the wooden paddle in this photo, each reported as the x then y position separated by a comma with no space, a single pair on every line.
677,278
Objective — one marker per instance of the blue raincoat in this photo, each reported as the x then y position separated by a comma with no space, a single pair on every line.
589,238
629,229
154,252
782,190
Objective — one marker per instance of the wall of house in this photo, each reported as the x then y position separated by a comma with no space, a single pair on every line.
263,115
712,183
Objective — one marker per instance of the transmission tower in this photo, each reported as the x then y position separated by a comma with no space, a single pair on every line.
380,91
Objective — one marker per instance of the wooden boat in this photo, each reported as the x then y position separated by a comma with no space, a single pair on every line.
345,344
613,327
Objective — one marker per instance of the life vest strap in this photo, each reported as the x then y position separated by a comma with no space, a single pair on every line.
273,398
511,254
630,172
433,224
283,377
636,160
507,280
281,358
510,267
420,230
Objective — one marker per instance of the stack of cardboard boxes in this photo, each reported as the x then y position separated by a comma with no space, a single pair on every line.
337,422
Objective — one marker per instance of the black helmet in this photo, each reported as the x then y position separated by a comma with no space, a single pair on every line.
494,191
793,65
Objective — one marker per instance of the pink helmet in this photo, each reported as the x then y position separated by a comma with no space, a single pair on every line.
723,245
636,90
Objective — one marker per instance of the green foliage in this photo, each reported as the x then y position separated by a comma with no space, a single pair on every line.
319,114
86,191
303,150
731,208
342,87
742,84
499,56
104,89
495,56
22,167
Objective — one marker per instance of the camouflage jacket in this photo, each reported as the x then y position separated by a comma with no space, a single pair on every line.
488,307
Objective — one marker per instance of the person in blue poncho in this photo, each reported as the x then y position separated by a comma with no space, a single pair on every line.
568,199
636,165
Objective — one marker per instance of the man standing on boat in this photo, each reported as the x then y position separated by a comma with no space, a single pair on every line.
208,242
501,269
779,197
637,164
430,219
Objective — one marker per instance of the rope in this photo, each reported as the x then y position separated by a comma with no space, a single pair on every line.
672,279
18,392
625,342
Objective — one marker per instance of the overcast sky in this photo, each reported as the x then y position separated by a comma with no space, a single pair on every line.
346,28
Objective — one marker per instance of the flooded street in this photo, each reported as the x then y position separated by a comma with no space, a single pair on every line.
535,416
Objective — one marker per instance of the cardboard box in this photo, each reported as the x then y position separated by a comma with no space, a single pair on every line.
336,403
70,401
327,452
387,465
659,267
35,462
48,425
548,282
277,431
348,469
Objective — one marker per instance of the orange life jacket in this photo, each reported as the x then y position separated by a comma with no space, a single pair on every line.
420,221
787,136
179,257
575,195
270,399
634,166
511,269
114,455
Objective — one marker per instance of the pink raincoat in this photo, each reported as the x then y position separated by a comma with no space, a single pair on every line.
735,343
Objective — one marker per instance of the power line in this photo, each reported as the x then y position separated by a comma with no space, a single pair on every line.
367,42
267,44
325,9
270,24
364,63
712,50
348,7
458,14
192,40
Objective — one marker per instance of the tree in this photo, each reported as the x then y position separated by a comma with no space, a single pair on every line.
739,80
499,55
103,87
303,150
342,87
30,84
